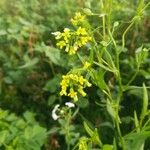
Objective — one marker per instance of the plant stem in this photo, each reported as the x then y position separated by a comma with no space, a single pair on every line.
119,133
103,19
125,32
131,80
67,130
132,23
117,120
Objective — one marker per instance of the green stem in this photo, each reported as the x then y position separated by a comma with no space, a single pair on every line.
131,80
67,130
117,121
109,10
125,32
104,30
146,6
132,23
103,19
52,68
117,59
112,38
136,87
120,135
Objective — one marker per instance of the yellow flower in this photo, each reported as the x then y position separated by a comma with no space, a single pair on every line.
73,94
81,80
63,92
75,78
85,39
66,34
86,65
88,84
80,90
70,40
79,16
74,84
72,50
81,31
64,83
78,19
61,44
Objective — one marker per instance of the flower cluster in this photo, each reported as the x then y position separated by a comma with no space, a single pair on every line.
72,85
78,19
71,41
82,37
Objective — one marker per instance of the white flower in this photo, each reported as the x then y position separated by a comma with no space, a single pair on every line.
54,115
66,30
69,104
56,33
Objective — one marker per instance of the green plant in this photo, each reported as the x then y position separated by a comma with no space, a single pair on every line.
20,133
65,116
103,66
25,55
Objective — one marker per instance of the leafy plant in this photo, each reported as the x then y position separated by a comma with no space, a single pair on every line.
20,133
102,65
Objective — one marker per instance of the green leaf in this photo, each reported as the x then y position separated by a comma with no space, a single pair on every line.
39,134
110,109
29,117
53,54
145,73
145,102
82,102
105,67
88,129
98,77
29,63
51,99
53,130
53,84
107,147
28,133
3,136
136,122
135,141
110,61
96,138
140,6
3,114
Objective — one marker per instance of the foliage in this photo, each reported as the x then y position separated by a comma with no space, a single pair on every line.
104,63
26,51
20,133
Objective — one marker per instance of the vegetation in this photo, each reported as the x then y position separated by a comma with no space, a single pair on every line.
74,75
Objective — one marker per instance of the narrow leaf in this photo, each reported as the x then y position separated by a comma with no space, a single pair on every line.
145,102
88,129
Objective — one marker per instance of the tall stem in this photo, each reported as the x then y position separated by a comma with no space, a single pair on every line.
119,134
67,128
103,18
125,32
